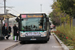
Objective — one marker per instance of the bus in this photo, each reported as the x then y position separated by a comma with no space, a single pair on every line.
33,27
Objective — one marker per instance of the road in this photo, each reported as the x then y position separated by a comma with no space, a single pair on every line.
52,44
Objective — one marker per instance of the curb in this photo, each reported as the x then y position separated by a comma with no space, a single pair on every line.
64,47
8,48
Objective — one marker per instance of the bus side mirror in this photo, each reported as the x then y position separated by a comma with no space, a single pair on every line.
17,19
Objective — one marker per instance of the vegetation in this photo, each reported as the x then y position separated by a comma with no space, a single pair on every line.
57,16
67,35
63,11
67,6
62,14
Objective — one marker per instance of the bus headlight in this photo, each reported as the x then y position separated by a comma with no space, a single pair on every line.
43,34
22,34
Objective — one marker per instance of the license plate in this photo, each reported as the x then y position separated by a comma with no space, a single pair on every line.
32,39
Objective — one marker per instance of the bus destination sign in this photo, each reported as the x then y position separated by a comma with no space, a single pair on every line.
31,16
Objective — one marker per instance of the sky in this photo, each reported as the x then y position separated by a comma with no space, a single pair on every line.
27,6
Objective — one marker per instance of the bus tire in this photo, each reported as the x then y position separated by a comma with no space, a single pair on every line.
45,41
21,42
48,38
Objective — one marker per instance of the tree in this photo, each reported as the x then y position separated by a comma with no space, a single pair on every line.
68,6
56,14
62,9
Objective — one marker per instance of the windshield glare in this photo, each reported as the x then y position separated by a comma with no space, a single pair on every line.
32,24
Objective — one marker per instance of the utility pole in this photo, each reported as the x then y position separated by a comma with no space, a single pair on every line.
4,6
5,11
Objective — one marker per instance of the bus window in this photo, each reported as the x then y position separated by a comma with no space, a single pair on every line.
33,24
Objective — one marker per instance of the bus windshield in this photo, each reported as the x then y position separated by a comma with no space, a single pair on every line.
33,24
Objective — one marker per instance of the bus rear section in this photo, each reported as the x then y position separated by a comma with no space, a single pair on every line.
33,27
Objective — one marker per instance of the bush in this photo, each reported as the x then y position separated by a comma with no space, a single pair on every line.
66,34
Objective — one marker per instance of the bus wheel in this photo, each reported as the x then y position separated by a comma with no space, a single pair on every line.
44,41
48,38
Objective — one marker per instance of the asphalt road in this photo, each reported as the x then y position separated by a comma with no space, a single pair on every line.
52,44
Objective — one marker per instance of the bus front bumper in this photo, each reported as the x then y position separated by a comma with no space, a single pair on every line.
33,38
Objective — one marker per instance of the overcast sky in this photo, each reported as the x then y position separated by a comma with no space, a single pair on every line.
22,6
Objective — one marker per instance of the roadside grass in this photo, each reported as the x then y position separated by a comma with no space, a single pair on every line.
67,35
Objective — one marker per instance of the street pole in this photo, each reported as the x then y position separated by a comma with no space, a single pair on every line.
4,6
41,7
6,12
